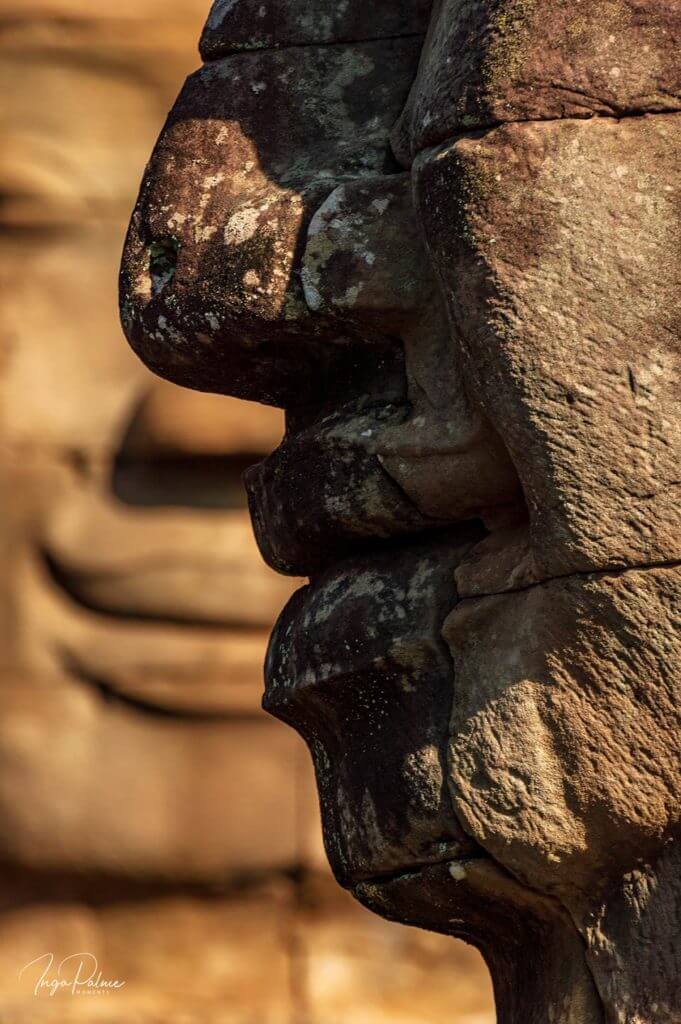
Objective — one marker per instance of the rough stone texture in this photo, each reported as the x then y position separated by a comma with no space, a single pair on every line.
149,813
414,452
561,688
235,25
556,245
374,629
263,138
364,259
489,61
501,348
536,957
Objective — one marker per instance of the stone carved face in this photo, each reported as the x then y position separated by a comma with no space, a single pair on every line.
135,605
458,281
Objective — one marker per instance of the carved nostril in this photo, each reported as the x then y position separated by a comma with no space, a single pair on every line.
163,255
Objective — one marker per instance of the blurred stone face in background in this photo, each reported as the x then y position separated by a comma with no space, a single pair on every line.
141,790
137,612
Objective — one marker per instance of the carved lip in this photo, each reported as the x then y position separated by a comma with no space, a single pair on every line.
456,864
388,602
324,495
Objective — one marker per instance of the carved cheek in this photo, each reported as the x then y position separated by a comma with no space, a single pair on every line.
552,241
559,699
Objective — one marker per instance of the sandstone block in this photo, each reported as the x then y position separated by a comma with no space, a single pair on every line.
555,244
559,689
489,61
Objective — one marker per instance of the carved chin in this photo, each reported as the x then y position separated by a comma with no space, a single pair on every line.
358,666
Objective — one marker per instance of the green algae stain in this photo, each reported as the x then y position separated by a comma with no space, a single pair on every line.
511,30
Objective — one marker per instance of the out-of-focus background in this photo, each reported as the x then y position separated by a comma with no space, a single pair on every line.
150,815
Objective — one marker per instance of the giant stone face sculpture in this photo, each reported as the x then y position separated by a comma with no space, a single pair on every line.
447,242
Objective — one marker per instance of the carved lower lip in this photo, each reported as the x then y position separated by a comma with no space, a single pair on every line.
357,665
392,600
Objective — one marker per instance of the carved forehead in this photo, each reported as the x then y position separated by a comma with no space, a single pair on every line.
235,25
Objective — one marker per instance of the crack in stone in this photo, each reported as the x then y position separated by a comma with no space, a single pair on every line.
247,51
481,131
614,571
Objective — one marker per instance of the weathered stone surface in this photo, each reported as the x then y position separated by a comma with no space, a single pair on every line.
382,470
371,629
235,25
539,968
354,501
564,735
364,258
213,255
567,711
555,244
503,561
489,61
129,739
413,454
522,372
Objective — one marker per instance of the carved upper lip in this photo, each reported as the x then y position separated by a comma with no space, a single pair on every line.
342,485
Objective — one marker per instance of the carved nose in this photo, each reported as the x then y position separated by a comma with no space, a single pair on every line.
211,294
